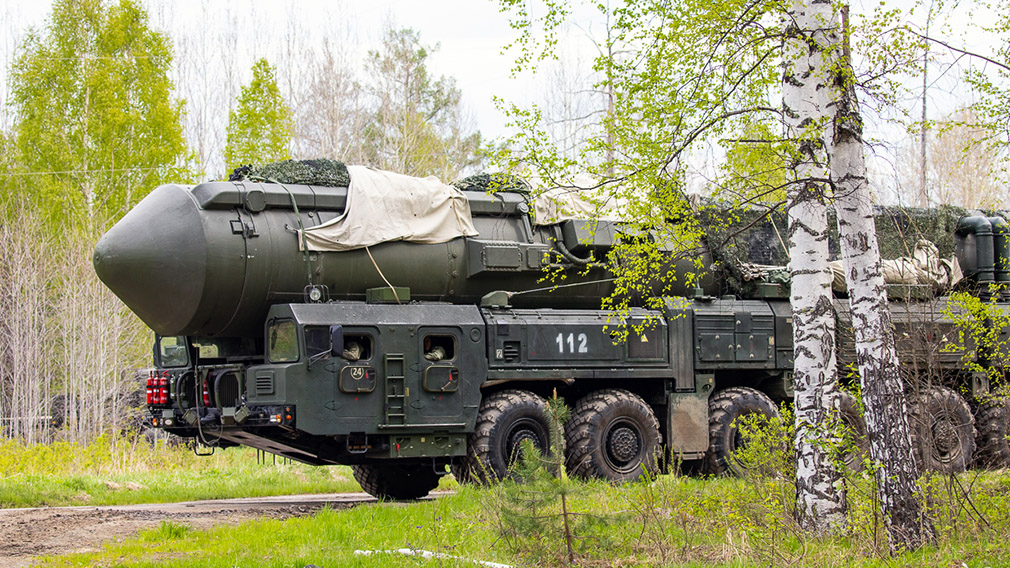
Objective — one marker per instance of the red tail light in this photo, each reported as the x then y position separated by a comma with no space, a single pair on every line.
206,394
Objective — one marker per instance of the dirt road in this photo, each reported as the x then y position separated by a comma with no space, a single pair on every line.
26,533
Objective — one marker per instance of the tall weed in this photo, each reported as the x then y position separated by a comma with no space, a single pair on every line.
106,454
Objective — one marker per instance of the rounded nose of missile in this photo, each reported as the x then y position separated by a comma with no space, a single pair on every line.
155,259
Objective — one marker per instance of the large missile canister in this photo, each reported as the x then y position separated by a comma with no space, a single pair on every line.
210,260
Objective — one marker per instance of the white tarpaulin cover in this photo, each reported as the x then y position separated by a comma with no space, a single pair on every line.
581,200
384,206
924,267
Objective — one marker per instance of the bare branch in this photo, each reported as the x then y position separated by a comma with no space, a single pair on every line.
999,64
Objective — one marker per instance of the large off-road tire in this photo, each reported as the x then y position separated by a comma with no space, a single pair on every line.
851,415
724,437
943,431
612,435
993,444
396,482
504,421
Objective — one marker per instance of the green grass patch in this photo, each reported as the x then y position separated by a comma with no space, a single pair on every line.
451,525
670,521
121,471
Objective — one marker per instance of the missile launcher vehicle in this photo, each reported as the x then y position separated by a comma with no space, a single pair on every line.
285,323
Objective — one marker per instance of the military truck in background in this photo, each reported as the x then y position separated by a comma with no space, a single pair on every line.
302,319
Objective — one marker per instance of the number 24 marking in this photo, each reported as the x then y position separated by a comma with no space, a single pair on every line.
583,343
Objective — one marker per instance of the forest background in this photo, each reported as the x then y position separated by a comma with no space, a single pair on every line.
103,101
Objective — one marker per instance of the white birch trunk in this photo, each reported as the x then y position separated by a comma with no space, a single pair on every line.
886,408
820,496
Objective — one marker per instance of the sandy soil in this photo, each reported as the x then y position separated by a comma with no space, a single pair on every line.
27,533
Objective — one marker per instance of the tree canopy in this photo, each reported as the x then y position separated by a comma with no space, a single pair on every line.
259,129
96,126
418,126
678,74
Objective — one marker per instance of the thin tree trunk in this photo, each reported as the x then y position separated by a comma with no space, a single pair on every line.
820,496
923,194
886,409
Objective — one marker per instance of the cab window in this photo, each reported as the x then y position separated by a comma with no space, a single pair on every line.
357,347
439,347
172,351
207,350
317,340
283,342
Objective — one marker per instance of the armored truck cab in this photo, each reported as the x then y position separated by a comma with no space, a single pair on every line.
369,384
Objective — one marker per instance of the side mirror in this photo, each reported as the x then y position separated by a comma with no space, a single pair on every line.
336,340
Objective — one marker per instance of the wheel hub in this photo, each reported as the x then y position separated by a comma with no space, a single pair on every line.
623,444
516,439
946,445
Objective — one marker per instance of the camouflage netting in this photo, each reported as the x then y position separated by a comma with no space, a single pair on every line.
324,172
332,173
492,183
741,236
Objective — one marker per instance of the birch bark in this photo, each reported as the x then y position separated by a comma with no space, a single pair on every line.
820,496
886,408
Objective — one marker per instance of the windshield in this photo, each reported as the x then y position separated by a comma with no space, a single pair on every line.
283,342
172,351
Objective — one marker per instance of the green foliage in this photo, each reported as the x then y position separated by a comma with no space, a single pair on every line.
891,51
677,75
418,127
757,165
534,511
97,127
8,169
675,79
990,80
167,530
669,521
125,470
767,450
259,129
983,335
768,445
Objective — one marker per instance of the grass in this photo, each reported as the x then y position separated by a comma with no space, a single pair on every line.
121,471
327,539
671,521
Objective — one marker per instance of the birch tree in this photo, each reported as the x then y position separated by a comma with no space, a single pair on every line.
95,128
334,112
95,117
884,401
820,498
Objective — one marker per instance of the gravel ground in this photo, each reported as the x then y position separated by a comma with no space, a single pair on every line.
27,533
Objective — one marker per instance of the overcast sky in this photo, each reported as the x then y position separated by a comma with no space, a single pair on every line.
471,35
